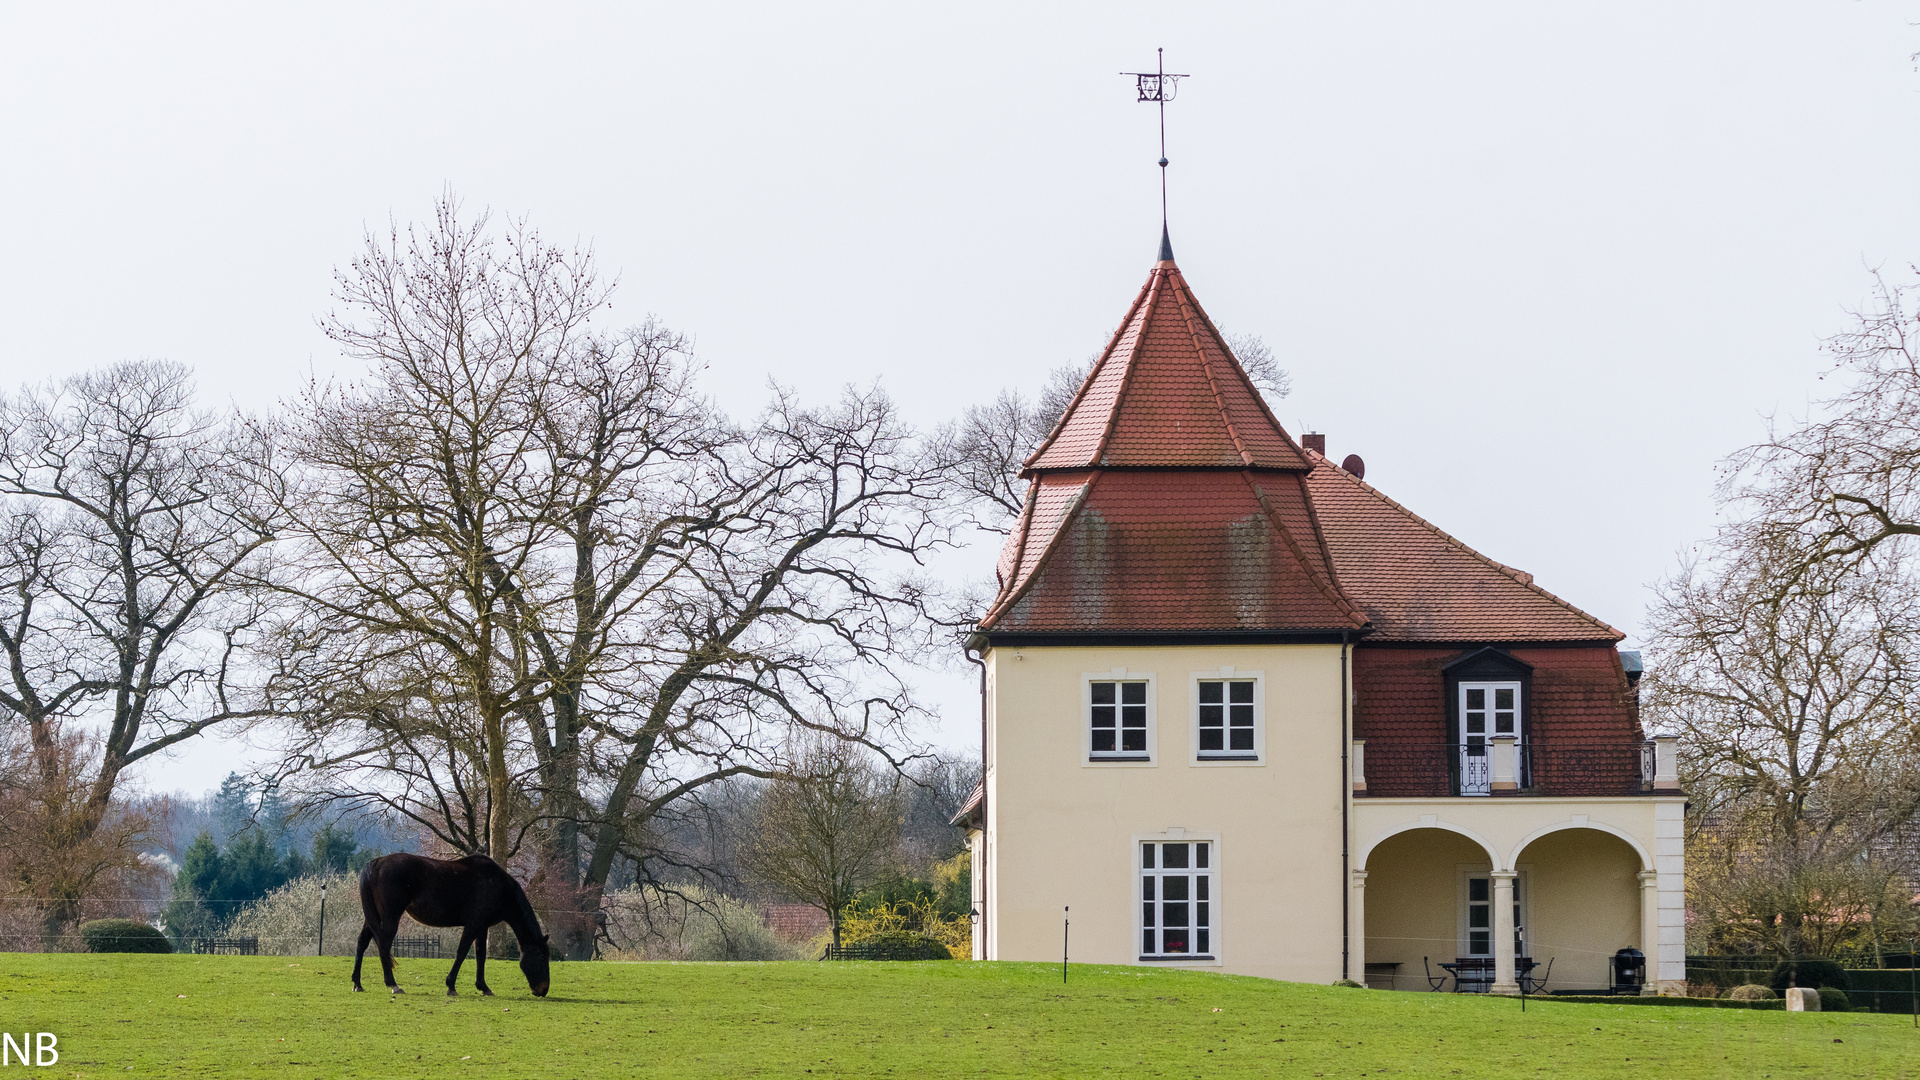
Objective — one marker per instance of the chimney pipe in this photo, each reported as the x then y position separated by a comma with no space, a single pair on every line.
1315,441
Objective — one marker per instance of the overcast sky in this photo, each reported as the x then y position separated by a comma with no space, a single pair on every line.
1542,265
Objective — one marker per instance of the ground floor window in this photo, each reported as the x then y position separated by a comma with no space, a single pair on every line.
1177,897
1476,916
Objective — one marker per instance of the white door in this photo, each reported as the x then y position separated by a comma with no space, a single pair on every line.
1486,709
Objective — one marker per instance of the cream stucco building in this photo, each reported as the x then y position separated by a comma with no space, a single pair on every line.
1246,713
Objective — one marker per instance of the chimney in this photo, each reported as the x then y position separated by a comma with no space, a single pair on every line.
1315,441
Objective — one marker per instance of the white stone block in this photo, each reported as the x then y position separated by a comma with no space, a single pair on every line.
1670,845
1670,864
1802,999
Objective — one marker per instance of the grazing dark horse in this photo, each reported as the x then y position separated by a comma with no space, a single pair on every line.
472,893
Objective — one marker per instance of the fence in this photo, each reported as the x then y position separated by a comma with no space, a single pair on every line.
888,950
224,946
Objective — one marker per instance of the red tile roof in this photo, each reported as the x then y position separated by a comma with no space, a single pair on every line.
1167,392
1169,499
1583,734
1417,583
1150,550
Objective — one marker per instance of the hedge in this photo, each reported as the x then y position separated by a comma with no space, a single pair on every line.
1883,990
1684,1002
123,936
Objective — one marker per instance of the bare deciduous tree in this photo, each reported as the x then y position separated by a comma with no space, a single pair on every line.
1839,487
549,581
827,832
1798,748
134,535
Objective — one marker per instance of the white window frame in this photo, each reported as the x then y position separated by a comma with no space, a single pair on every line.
1216,923
1118,758
1462,738
1491,686
1227,757
1520,899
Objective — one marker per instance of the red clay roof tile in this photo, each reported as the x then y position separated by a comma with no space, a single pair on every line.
1167,392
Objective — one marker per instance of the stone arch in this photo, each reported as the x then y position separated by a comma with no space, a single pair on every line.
1366,852
1639,850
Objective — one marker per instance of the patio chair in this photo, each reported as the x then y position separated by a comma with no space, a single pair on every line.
1531,985
1434,981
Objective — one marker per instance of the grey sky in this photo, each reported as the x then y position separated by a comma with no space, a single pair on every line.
1541,264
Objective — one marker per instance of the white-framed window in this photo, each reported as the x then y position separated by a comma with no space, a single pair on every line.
1488,708
1118,716
1476,913
1229,722
1179,899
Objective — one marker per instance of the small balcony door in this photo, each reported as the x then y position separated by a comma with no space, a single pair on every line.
1486,709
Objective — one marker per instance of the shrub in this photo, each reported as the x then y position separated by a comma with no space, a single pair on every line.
909,917
904,945
1751,992
1832,1000
688,922
123,935
287,920
1811,973
1350,984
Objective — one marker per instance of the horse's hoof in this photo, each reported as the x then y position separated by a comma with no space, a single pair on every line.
486,993
359,989
451,992
396,990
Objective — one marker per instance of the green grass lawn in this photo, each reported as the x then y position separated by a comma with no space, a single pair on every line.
253,1016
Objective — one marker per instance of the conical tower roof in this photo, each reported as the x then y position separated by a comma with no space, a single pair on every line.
1168,499
1167,392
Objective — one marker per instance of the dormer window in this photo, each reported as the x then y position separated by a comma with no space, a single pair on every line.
1489,708
1486,699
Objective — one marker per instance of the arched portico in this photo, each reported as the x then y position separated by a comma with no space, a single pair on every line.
1409,892
1589,890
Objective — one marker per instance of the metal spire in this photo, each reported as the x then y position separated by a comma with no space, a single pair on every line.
1159,87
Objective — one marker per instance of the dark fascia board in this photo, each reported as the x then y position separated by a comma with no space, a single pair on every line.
1010,640
1489,656
1451,643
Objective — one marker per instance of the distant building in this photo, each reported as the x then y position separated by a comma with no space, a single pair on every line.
1246,712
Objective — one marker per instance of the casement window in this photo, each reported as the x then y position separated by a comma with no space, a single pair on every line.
1178,900
1489,708
1119,719
1226,719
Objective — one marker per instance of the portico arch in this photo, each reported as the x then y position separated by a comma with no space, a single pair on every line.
1645,857
1366,850
1406,901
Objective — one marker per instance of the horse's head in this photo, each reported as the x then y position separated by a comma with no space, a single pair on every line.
533,964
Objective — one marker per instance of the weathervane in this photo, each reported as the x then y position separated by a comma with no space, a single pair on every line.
1159,88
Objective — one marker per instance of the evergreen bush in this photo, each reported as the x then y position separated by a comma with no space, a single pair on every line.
1832,1000
123,935
1751,992
1809,973
1350,984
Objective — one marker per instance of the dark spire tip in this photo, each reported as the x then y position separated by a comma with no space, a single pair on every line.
1166,245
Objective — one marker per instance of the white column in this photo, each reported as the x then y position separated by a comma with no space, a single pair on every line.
1666,764
1650,928
1668,968
1359,766
1503,980
1503,774
1357,928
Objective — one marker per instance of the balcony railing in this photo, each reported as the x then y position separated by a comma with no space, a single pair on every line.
1540,767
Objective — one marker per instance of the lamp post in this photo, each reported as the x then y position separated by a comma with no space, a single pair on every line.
320,946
